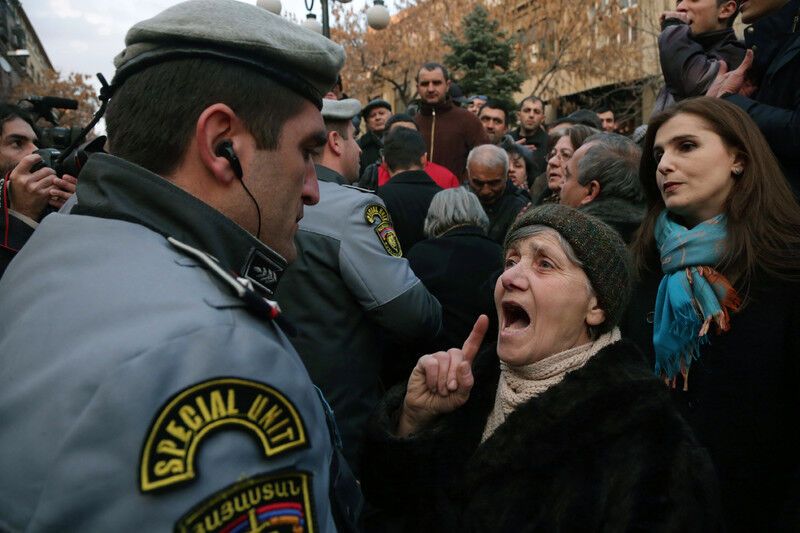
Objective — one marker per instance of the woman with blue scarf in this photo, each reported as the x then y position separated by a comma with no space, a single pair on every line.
718,304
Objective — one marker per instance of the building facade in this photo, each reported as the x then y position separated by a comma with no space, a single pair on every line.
22,55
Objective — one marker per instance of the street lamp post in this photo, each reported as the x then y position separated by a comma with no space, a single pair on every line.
377,16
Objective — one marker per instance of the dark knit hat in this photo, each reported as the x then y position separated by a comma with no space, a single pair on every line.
377,102
598,246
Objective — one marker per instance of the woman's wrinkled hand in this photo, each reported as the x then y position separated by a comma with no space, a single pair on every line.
440,382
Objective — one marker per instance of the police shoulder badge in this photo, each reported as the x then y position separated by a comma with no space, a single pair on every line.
268,502
384,229
168,455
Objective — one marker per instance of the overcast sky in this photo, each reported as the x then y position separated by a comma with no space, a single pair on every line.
85,35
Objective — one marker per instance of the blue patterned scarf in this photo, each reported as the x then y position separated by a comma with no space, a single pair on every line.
691,295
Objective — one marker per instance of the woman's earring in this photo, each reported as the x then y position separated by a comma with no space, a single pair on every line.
738,171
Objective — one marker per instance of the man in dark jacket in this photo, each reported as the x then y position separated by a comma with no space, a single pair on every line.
774,39
450,131
602,179
487,170
410,191
375,115
530,116
693,40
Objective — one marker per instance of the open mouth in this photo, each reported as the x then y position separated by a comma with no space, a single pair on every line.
515,317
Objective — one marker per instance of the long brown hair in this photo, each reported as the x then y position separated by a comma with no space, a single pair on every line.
763,227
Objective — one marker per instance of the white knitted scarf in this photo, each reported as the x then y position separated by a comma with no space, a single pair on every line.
518,384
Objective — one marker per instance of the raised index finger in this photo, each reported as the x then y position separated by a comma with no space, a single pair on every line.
473,342
747,62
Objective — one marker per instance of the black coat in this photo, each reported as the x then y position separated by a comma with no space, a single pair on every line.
622,214
775,107
370,145
604,450
743,401
408,196
457,268
504,211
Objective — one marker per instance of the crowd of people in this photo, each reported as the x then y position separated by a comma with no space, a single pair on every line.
248,314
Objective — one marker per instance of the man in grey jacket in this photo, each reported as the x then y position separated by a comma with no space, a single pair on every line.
351,295
144,384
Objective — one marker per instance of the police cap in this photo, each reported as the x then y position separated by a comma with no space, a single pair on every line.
230,30
340,109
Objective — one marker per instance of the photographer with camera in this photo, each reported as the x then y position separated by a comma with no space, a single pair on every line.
26,187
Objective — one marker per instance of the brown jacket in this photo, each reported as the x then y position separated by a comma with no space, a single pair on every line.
450,132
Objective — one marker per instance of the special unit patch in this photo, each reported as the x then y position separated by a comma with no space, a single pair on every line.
267,502
222,403
384,229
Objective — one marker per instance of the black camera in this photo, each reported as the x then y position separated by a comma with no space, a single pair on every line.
43,107
73,162
59,137
61,152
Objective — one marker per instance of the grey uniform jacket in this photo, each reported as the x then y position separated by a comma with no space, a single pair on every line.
347,294
138,391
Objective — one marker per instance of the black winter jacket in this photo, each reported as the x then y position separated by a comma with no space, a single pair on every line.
604,450
775,107
408,196
743,401
504,211
691,62
459,268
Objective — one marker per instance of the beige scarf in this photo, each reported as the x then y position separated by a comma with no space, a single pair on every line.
518,384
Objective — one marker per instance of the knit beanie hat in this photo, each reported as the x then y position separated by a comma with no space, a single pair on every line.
598,246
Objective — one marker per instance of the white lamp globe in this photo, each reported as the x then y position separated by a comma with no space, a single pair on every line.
378,16
312,24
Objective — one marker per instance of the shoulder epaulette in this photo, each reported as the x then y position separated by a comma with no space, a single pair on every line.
241,287
360,189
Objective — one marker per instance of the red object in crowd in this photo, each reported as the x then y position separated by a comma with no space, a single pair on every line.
443,177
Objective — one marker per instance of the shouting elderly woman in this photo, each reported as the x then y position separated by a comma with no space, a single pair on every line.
565,428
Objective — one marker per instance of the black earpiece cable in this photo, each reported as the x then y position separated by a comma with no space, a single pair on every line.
258,209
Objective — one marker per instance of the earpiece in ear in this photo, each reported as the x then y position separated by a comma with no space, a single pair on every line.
225,149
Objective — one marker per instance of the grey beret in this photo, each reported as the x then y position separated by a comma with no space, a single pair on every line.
340,109
230,30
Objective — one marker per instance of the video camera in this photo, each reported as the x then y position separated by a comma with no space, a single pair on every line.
60,151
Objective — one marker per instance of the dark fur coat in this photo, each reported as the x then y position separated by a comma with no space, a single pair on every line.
604,450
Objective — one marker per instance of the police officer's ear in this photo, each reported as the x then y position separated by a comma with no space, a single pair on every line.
222,143
335,143
423,160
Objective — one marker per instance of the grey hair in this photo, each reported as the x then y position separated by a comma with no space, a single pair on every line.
490,156
523,232
451,208
613,161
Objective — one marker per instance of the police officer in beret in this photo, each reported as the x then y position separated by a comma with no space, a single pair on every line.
145,383
351,293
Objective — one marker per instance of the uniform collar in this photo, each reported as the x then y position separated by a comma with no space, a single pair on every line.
329,175
110,187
